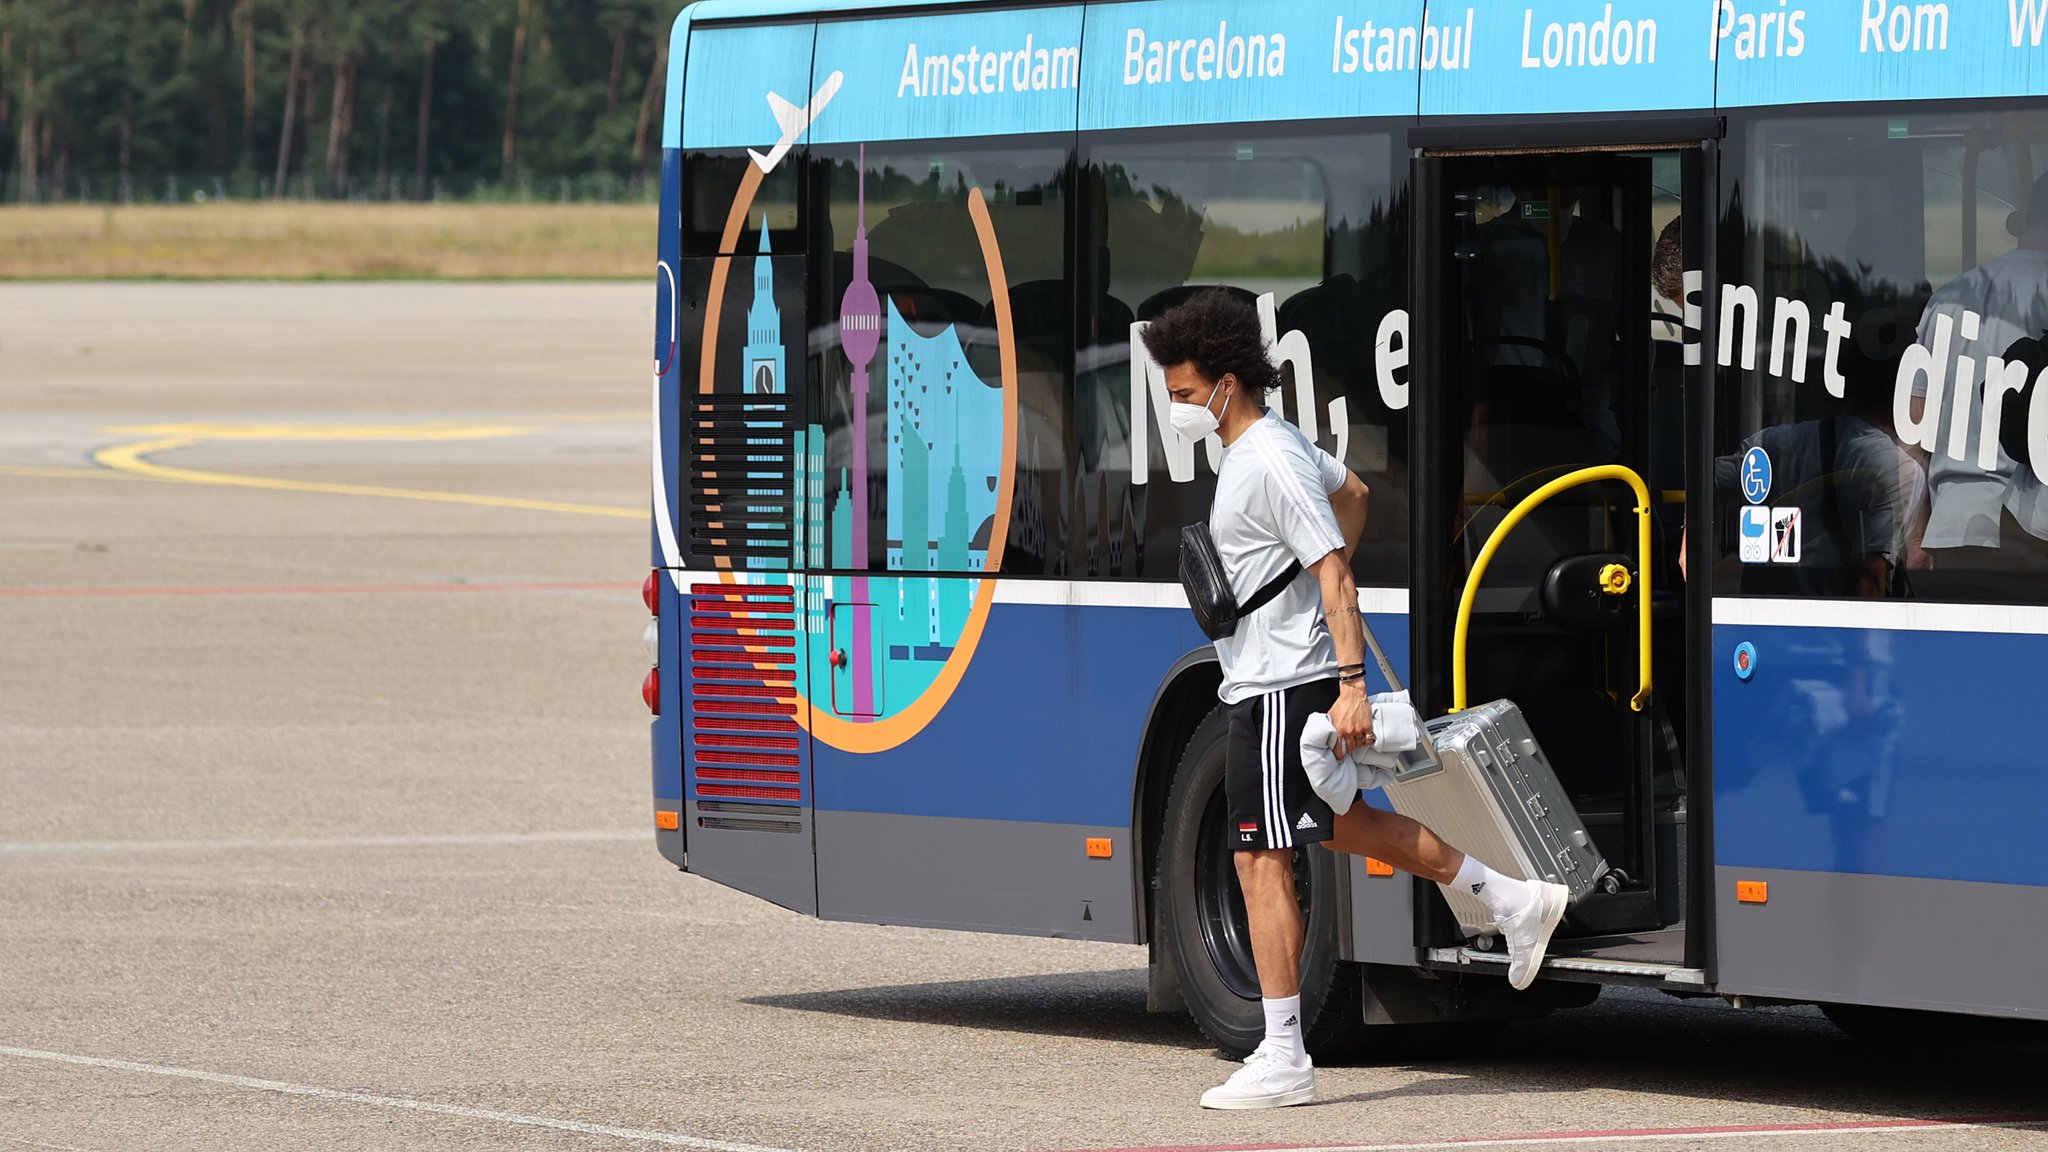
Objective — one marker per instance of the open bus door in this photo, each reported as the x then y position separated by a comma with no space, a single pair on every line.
1550,290
748,625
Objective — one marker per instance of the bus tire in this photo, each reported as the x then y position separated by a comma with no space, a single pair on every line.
1202,919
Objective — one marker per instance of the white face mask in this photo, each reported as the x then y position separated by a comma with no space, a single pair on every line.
1194,422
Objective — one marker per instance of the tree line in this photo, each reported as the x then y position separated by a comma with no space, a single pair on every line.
384,99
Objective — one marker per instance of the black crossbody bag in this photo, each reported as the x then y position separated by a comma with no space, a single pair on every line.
1217,610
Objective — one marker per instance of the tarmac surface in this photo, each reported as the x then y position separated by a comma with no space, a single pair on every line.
324,810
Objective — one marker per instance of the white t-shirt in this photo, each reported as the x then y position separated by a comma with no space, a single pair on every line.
2009,294
1273,508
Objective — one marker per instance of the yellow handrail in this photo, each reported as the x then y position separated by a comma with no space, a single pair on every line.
1507,525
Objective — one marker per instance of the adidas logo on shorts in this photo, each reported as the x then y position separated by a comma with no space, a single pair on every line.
1306,821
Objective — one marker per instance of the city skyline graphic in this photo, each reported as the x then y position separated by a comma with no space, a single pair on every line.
879,640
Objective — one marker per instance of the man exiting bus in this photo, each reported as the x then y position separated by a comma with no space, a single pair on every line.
1281,500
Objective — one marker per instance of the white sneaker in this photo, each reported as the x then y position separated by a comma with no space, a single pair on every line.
1528,933
1268,1079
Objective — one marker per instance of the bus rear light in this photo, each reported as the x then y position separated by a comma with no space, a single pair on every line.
668,821
651,593
651,640
650,690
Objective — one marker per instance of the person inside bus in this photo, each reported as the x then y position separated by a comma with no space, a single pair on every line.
1280,501
1544,317
1544,286
1856,489
1982,520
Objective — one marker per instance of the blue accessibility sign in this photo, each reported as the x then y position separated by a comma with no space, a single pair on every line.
1756,475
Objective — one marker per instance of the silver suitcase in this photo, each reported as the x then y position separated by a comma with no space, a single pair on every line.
1480,781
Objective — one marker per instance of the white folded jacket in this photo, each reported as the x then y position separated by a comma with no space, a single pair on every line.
1396,729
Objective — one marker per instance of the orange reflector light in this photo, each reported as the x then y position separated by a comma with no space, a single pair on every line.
1378,867
667,821
1098,848
1752,892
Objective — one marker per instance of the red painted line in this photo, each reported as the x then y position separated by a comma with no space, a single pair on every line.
1625,1134
316,589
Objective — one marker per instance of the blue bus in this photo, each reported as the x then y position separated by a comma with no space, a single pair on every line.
919,653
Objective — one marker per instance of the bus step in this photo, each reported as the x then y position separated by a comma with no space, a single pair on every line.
1579,967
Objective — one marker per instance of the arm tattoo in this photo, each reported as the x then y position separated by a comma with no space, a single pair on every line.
1348,610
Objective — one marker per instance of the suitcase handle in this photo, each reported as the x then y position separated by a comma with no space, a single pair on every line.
1379,654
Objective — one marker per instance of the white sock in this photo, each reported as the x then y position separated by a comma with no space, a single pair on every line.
1283,1028
1504,896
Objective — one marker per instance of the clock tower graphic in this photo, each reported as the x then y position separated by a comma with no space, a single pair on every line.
763,357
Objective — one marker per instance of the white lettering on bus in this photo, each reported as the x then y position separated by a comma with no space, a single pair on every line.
1221,57
1902,27
1941,379
2027,17
1028,68
1757,35
1604,43
1931,368
1387,48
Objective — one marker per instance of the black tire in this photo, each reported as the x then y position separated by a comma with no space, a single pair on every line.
1904,1026
1202,919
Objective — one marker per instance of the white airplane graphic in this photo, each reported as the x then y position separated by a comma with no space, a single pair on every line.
794,120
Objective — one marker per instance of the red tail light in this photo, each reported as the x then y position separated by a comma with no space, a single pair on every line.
651,593
650,690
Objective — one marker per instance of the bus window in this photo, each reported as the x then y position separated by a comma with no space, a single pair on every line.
1877,270
934,406
710,181
1314,228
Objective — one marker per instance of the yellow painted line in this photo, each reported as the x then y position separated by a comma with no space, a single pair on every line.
78,473
238,430
132,459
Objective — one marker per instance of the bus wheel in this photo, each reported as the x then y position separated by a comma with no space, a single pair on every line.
1207,938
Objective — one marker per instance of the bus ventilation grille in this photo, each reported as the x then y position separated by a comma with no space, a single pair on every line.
745,748
742,502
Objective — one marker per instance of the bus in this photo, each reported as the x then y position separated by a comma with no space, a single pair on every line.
919,655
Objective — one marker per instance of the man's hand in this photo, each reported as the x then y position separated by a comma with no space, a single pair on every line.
1351,716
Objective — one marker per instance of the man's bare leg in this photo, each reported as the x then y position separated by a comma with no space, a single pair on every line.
1267,877
1405,843
1526,911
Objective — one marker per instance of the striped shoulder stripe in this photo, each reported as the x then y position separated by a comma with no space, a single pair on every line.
1290,484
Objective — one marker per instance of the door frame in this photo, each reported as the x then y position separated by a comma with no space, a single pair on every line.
1698,138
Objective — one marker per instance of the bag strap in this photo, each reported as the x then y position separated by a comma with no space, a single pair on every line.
1423,740
1269,590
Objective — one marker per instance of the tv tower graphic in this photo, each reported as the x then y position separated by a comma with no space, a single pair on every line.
860,334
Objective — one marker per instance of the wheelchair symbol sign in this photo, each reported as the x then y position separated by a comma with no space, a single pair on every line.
1756,475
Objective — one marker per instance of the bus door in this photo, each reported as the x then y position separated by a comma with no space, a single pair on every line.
753,620
1550,339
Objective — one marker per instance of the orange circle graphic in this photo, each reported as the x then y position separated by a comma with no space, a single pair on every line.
888,732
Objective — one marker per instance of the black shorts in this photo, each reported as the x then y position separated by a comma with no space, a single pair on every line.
1269,801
